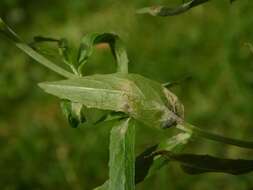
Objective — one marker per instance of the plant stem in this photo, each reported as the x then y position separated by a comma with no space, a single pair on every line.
122,156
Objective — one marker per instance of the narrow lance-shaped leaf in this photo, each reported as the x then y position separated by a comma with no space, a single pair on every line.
168,11
12,36
90,92
67,53
197,164
121,163
191,129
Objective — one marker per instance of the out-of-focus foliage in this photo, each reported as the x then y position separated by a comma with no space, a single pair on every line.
160,10
38,148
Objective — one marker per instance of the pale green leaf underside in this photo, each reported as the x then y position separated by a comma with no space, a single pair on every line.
91,97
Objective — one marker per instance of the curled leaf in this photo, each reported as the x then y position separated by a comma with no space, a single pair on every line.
116,45
73,112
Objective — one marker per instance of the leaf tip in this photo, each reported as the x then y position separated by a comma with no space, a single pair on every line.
43,85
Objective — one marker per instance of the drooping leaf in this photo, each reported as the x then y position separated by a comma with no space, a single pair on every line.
151,163
122,156
117,47
143,163
12,36
191,129
197,164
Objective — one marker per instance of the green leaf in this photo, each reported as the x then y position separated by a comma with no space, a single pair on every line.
74,112
116,45
90,92
148,163
143,162
143,99
67,54
122,156
197,164
191,129
12,36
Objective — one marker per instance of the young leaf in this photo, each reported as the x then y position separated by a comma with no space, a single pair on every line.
116,45
121,163
12,36
197,164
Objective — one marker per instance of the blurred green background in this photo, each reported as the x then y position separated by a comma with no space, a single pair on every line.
38,150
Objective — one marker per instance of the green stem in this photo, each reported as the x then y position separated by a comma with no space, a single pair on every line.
11,35
122,157
201,133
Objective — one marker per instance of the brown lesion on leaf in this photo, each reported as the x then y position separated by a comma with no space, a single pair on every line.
173,103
